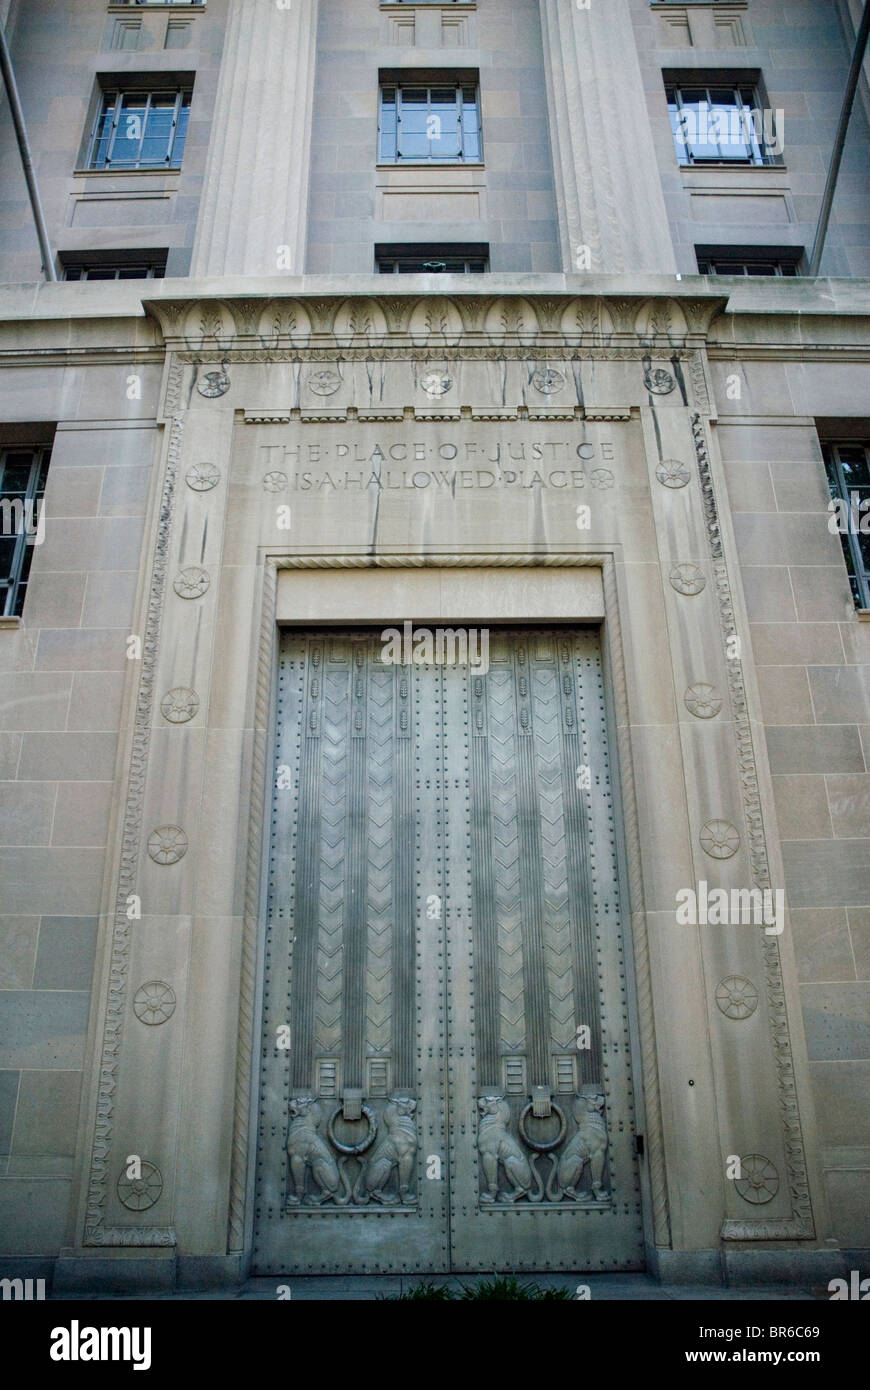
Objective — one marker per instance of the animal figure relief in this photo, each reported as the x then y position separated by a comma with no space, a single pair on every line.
587,1147
307,1148
396,1147
496,1145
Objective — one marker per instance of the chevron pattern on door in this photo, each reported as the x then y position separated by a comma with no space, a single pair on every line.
445,1077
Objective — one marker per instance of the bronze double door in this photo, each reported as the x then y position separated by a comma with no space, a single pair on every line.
445,1072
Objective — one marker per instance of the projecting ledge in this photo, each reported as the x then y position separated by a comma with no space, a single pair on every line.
454,595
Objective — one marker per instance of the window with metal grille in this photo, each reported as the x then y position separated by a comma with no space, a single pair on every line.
137,129
719,124
150,267
23,474
848,468
431,124
761,262
435,259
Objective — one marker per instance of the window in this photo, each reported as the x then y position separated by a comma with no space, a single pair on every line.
753,260
720,124
148,265
138,129
848,467
22,487
429,124
453,258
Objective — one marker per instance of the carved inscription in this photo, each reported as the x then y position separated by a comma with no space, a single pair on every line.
448,466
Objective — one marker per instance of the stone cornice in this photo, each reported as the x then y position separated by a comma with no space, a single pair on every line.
495,315
434,321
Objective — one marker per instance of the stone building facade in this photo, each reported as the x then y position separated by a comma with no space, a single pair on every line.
318,958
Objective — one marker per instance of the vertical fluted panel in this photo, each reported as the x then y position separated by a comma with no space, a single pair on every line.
608,185
255,196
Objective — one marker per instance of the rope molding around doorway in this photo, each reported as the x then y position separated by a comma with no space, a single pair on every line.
266,656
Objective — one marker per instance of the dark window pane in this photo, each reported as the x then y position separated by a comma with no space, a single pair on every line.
25,571
854,464
7,555
18,458
16,473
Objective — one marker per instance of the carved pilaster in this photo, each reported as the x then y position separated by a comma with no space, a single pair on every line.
256,181
607,180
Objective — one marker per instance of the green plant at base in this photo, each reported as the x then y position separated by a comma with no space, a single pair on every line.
495,1288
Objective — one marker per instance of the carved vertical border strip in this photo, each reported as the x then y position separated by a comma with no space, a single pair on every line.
113,1026
248,983
640,938
698,373
800,1226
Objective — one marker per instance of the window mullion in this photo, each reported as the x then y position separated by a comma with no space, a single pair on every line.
145,115
429,114
863,576
116,120
852,541
460,129
97,132
173,130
